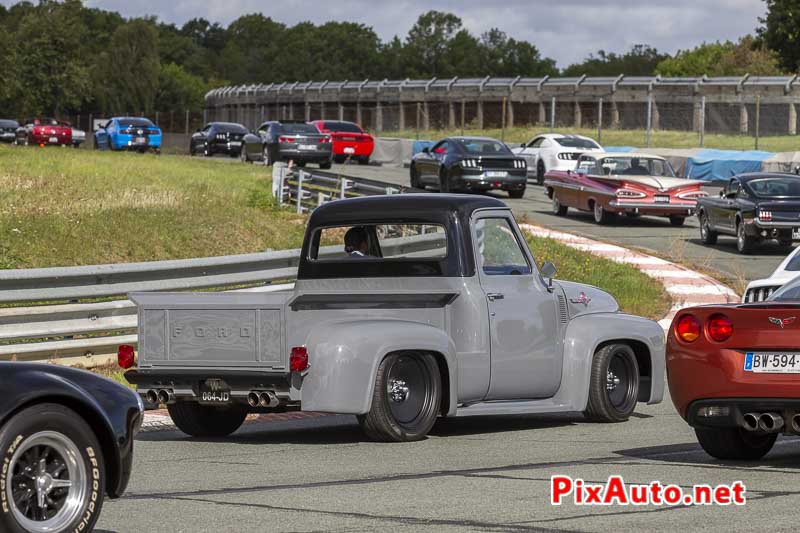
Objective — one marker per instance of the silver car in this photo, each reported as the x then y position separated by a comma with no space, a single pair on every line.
295,141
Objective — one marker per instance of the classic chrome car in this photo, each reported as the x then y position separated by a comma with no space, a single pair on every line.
754,208
610,184
66,439
759,290
554,151
432,305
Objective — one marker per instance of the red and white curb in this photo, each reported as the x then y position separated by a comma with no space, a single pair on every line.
685,287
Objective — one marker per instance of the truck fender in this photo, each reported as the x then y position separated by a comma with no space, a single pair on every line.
587,332
344,357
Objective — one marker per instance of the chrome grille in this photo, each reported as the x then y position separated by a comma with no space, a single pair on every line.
563,313
759,294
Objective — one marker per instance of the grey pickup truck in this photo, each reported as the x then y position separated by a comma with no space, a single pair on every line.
406,308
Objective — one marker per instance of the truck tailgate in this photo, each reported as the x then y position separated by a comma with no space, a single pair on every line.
219,330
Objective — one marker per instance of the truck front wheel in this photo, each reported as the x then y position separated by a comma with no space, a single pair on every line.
613,384
206,421
406,399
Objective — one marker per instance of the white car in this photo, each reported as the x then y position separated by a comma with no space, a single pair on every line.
554,151
760,289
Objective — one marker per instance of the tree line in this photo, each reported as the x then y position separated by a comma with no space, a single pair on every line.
62,57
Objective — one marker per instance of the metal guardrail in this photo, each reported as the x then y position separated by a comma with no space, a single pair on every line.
46,315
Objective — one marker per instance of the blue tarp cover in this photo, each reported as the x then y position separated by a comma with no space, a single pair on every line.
721,165
619,148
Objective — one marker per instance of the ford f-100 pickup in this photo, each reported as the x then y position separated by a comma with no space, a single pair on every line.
406,308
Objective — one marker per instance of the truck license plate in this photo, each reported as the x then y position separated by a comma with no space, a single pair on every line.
662,199
214,395
772,362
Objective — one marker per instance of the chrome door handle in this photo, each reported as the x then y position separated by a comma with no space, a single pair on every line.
492,296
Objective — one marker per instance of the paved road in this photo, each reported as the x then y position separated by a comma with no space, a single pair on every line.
647,233
487,474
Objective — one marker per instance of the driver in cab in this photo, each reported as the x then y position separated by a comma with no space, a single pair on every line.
356,242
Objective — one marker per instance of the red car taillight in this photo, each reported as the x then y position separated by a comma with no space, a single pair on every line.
125,356
720,328
298,360
286,139
688,328
325,140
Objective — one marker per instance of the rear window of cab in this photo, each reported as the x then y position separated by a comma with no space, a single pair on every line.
379,242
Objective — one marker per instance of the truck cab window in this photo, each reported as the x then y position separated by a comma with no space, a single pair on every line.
500,252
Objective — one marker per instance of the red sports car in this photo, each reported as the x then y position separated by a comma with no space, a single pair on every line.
44,131
734,373
349,140
611,184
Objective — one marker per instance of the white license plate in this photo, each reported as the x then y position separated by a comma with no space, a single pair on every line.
661,199
496,174
796,234
772,362
307,147
349,150
53,139
236,143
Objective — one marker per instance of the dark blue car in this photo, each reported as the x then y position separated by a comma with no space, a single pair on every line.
128,133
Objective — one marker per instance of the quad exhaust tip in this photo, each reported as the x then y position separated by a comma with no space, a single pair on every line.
268,399
796,423
252,399
751,421
770,422
166,396
151,396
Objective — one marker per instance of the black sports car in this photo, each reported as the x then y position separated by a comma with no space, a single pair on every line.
469,164
218,138
66,439
289,140
8,130
753,208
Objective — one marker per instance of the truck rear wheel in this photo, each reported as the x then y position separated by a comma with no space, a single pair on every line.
406,399
613,384
206,421
735,443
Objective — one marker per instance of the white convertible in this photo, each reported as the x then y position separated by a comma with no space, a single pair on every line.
554,151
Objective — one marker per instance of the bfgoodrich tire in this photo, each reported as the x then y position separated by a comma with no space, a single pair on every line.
205,420
613,384
406,399
735,443
51,455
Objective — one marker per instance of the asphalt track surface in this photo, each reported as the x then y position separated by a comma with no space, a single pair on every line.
476,474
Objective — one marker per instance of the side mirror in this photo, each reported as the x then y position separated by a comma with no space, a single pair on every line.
548,272
522,145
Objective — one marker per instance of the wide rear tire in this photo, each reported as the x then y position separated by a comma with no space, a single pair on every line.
406,399
735,443
414,176
613,384
540,172
206,421
326,165
516,194
744,242
676,221
707,235
74,460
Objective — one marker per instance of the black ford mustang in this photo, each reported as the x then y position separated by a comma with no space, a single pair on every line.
753,208
470,164
218,138
66,439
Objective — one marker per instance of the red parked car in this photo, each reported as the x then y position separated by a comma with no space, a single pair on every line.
611,184
44,132
734,373
349,140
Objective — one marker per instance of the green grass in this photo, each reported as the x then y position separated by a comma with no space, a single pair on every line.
81,207
659,138
636,292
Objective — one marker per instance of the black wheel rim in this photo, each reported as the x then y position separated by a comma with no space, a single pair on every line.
620,381
408,390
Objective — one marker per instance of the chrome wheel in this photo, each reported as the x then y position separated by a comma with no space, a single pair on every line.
48,482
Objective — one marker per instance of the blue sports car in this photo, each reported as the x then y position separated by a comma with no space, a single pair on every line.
128,133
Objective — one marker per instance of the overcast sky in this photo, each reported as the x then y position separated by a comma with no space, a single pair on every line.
566,30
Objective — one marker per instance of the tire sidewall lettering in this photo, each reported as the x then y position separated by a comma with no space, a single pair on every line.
4,473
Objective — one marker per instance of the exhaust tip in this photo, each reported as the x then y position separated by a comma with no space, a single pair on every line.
263,399
796,423
164,396
770,422
151,396
253,399
750,421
